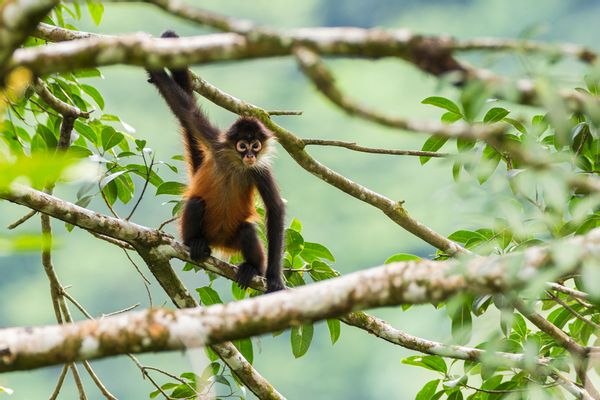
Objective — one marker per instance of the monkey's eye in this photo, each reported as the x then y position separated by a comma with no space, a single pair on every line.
242,145
256,145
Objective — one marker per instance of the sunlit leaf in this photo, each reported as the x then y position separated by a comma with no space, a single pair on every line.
301,338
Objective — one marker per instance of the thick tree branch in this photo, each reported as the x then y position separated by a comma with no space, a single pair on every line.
430,54
155,247
397,283
176,290
319,74
171,283
18,18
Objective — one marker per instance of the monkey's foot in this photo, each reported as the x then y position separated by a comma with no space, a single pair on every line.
246,272
274,285
199,249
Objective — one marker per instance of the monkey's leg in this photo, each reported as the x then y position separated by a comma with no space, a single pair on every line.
253,254
191,226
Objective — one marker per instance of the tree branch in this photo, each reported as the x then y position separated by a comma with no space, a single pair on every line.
319,74
355,147
295,148
18,18
409,282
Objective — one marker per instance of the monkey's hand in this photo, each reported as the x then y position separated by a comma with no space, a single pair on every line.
199,249
246,272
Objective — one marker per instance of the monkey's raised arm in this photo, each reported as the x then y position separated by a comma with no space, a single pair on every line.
196,127
267,188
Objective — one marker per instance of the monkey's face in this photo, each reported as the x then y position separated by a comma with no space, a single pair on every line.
249,151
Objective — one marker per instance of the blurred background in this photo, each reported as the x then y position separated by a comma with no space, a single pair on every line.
358,366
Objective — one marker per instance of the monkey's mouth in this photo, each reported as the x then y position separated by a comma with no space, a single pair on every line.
249,161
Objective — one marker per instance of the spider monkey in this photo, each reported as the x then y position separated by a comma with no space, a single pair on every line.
225,168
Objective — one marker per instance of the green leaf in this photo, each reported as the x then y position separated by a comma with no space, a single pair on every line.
465,144
434,363
108,179
183,392
296,225
110,137
301,337
495,114
313,251
320,271
442,102
86,131
88,73
334,329
519,326
490,159
246,348
427,391
208,296
456,167
518,125
94,94
457,395
294,242
473,98
237,292
79,151
402,257
463,236
462,324
450,117
96,9
174,188
434,143
125,188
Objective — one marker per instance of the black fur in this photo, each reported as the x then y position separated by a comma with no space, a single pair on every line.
192,216
197,129
253,254
275,214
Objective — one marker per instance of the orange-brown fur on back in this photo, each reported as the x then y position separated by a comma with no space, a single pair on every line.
229,201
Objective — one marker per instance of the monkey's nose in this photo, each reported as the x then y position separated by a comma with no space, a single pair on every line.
249,159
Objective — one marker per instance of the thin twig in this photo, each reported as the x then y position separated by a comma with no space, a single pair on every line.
574,312
116,242
145,374
283,112
354,146
98,382
59,383
175,218
139,271
136,305
22,220
567,290
148,173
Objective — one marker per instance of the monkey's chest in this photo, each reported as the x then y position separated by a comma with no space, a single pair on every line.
227,207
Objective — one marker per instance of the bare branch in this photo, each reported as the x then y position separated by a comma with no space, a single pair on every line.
581,53
355,147
409,282
65,109
319,74
21,220
552,330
